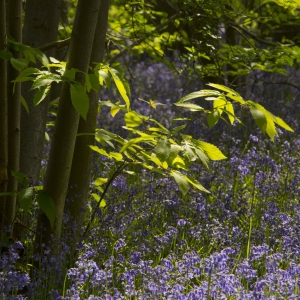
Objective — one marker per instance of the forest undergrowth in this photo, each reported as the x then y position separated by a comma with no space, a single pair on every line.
241,241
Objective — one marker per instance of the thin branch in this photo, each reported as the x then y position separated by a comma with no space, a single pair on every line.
56,44
236,27
157,29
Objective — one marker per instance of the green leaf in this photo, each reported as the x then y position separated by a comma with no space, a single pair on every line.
26,72
69,75
191,106
94,82
164,129
179,163
231,93
21,177
202,93
41,94
96,197
162,149
23,101
219,104
121,88
230,112
45,80
132,119
80,99
178,128
103,76
29,55
100,181
213,118
25,197
196,184
4,54
114,110
19,64
41,57
259,118
213,152
202,157
135,141
47,205
282,124
102,203
181,181
117,156
189,151
271,129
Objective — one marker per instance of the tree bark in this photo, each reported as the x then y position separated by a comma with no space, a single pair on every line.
82,160
63,141
3,116
40,28
60,52
14,29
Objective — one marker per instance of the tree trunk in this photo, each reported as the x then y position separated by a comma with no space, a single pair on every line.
63,141
61,52
14,29
3,116
40,28
82,159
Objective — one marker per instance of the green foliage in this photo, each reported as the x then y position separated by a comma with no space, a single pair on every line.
156,148
47,205
171,153
80,99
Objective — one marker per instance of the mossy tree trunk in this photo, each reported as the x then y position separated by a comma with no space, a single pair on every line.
64,137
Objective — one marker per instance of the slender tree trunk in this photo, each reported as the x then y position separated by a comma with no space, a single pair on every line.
61,52
14,29
63,141
82,159
40,28
3,116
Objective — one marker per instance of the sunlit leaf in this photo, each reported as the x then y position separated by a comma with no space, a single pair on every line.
135,141
121,88
100,181
132,119
196,184
212,151
162,149
282,124
191,106
202,93
181,181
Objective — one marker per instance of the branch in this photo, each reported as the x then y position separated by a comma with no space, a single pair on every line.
235,26
56,44
157,29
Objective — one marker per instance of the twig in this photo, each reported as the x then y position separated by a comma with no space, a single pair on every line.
157,29
56,44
